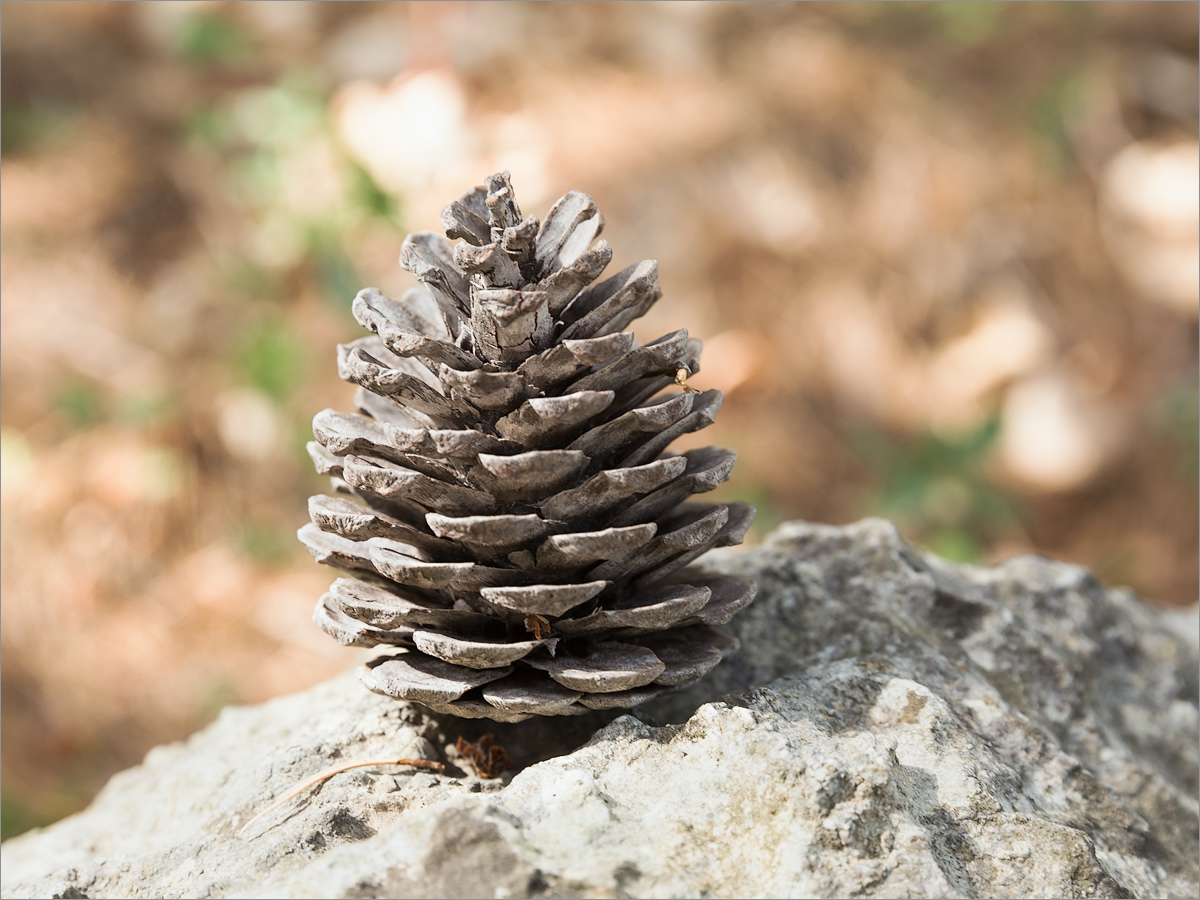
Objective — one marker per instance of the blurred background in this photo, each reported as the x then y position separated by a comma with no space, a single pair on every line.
943,258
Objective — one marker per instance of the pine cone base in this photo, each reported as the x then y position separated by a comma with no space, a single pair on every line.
509,517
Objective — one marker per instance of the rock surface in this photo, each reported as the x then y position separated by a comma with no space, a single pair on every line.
894,726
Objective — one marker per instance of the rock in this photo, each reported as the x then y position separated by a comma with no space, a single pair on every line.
895,725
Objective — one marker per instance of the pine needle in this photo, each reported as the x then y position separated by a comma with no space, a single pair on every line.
329,773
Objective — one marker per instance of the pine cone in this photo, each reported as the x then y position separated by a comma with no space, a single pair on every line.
510,516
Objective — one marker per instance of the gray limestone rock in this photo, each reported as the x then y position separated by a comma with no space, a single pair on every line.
894,726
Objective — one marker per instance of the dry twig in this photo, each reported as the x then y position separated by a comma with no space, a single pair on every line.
329,773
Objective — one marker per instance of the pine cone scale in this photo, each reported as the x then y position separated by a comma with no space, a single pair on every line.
566,216
615,435
414,676
459,221
532,476
653,614
660,357
543,599
565,284
613,304
351,633
416,317
387,608
569,358
609,666
543,421
580,549
476,654
530,696
610,488
340,516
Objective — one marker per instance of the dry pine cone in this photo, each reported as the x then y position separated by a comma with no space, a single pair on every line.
510,518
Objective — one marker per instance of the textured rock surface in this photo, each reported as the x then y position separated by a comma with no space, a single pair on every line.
898,726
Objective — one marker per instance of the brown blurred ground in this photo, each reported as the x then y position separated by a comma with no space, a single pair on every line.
943,258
